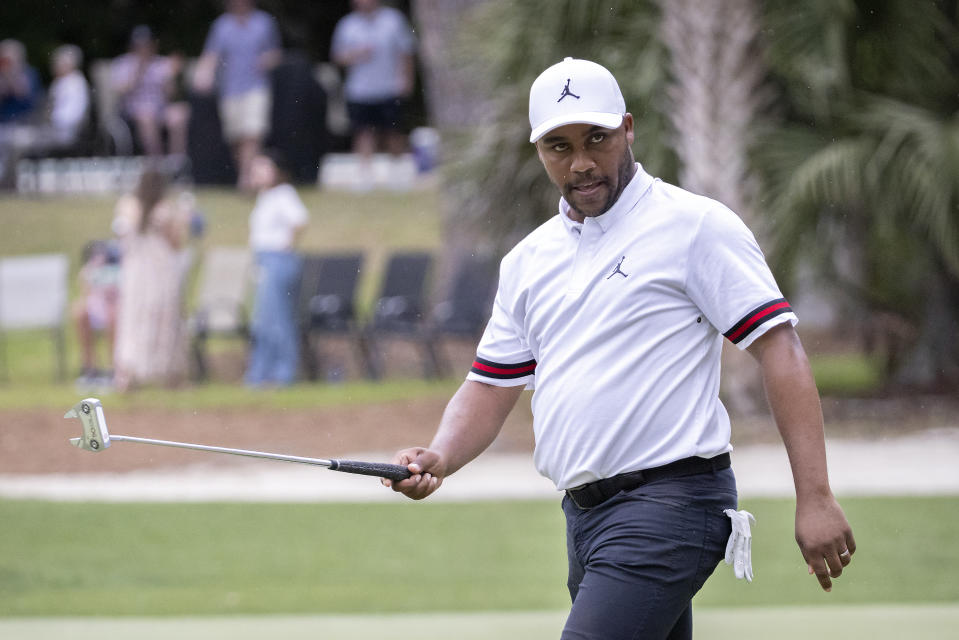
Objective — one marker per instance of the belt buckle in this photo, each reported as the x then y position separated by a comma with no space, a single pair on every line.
572,497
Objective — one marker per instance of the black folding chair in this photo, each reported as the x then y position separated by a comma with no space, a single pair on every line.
327,304
221,304
465,310
400,310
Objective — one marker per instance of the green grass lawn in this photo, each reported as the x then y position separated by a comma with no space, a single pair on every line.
305,395
845,374
375,224
338,220
65,559
836,622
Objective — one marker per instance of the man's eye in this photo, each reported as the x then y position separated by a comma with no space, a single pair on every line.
596,138
560,147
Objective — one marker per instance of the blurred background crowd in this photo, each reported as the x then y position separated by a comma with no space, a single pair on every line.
201,91
829,126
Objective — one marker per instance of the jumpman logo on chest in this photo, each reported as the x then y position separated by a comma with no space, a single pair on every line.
619,269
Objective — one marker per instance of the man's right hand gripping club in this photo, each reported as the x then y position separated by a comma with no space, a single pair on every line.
471,421
428,471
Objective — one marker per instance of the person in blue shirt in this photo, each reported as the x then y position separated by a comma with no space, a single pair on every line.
20,88
243,46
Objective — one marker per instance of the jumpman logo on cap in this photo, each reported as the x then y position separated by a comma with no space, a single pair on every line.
618,269
567,92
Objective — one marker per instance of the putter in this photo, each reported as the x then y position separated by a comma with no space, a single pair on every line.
96,438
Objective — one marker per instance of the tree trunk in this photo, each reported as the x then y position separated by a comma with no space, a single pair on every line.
716,94
455,100
931,363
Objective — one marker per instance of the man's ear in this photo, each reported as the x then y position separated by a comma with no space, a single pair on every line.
628,124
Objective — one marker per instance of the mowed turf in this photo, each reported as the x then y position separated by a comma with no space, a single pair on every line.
834,622
374,223
233,559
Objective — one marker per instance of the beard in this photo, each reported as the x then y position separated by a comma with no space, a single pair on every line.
624,173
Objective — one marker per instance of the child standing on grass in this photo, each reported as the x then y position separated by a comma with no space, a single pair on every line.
277,220
95,310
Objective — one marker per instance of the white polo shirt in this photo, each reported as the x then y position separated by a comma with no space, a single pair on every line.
618,323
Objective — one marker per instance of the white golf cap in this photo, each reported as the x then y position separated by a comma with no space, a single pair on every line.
574,92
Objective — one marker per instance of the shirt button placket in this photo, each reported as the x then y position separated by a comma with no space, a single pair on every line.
588,240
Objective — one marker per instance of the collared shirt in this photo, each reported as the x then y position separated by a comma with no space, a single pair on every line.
240,43
617,322
388,36
276,216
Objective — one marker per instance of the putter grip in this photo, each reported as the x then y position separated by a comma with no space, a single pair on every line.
378,469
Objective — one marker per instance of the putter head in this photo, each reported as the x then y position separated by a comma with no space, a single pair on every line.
95,435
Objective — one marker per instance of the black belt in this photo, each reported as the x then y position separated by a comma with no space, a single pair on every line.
593,494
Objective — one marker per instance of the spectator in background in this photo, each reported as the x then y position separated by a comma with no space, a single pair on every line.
150,335
242,47
20,87
145,82
94,312
375,46
298,123
67,114
69,96
176,116
277,220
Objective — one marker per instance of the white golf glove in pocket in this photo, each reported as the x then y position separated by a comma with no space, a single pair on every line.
740,545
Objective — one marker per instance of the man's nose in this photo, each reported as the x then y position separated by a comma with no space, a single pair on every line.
582,162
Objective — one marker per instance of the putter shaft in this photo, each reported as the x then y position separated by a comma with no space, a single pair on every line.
376,469
96,438
236,452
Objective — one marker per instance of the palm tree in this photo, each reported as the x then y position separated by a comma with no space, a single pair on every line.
861,176
717,92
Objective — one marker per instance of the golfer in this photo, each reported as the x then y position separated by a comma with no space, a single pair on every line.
614,311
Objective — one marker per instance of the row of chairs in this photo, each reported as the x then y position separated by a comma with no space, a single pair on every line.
34,292
327,307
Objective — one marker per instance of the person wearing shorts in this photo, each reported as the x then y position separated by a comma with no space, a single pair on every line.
614,311
242,47
375,46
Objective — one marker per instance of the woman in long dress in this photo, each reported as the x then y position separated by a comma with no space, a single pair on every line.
150,331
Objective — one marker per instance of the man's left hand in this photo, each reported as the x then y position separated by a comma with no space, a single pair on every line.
825,538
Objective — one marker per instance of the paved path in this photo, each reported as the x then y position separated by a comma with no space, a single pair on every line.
924,463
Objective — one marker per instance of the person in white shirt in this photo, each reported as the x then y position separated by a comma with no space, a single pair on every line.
69,94
277,220
68,111
614,311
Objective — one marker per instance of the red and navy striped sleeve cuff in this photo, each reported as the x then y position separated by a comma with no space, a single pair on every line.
502,371
756,318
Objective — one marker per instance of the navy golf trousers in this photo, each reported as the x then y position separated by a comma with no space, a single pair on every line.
636,560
